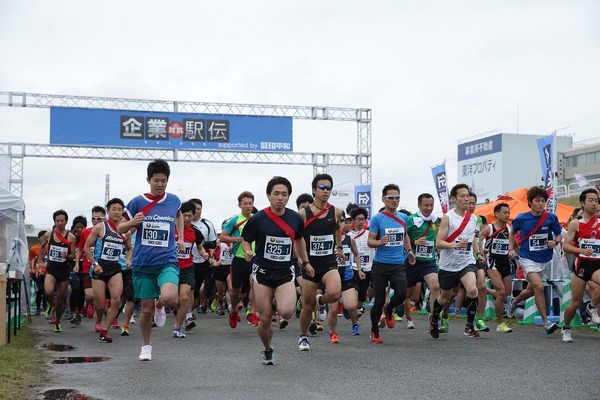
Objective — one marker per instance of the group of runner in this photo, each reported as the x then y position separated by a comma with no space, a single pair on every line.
278,260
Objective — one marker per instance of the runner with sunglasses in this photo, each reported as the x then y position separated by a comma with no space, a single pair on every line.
323,238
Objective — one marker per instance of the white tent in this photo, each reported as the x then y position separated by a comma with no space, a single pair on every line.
12,224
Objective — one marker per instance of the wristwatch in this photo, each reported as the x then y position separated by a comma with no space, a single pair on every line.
305,263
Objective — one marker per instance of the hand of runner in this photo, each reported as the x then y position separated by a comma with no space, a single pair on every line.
411,258
361,275
76,268
551,244
462,244
384,240
310,271
248,255
138,219
181,245
588,252
421,241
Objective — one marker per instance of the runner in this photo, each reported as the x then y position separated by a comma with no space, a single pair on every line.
499,262
583,239
61,248
457,240
322,234
274,231
38,273
240,268
361,237
192,237
155,215
221,266
387,235
532,236
108,245
421,229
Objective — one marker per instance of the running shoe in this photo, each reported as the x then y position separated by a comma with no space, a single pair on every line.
433,329
220,311
381,322
399,310
303,344
52,319
319,326
397,318
268,358
480,326
115,324
510,307
160,316
322,308
125,330
593,312
57,328
178,334
389,317
73,319
252,319
104,338
132,320
68,315
375,338
445,325
471,332
566,335
346,313
503,328
312,328
189,324
200,310
97,327
48,312
283,323
550,327
233,319
410,324
355,330
214,305
146,353
298,308
333,338
90,310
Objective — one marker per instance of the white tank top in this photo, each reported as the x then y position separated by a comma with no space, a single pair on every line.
454,260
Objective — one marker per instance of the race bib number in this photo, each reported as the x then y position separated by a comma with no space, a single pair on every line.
155,234
321,245
464,250
278,249
57,253
538,242
499,247
186,251
346,256
364,259
593,244
226,256
395,236
424,250
111,251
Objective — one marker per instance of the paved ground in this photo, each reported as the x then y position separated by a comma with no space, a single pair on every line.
215,361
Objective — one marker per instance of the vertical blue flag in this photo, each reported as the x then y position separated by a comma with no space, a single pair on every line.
441,185
546,151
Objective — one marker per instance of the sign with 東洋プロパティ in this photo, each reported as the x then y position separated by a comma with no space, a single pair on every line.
93,127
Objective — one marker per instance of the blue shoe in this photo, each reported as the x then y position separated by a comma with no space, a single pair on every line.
355,330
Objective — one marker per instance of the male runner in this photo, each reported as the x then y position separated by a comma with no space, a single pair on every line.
583,239
360,234
482,289
274,231
108,245
387,234
61,248
240,268
322,234
457,240
38,273
499,262
421,229
155,216
532,236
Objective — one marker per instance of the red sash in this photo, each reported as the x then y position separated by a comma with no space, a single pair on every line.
360,234
114,228
317,215
496,232
280,223
461,228
62,238
239,224
387,214
155,201
588,227
543,217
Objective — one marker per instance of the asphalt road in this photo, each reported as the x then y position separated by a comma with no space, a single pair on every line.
215,361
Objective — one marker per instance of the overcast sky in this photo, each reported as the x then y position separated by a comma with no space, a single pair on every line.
432,72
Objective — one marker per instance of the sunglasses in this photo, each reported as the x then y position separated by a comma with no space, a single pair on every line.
97,218
390,197
324,187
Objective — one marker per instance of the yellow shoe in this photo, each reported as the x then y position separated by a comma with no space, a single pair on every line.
504,328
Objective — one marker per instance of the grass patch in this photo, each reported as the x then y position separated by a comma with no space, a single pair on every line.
21,366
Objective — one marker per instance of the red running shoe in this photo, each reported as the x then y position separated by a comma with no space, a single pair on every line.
115,324
233,319
253,319
98,327
389,318
375,338
90,310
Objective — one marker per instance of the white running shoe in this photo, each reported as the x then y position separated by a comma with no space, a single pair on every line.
410,324
160,316
321,309
146,353
593,312
303,344
566,336
132,320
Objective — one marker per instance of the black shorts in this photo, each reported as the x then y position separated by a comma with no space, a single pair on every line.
221,272
480,265
584,269
273,277
451,279
351,283
128,293
59,272
415,273
320,272
501,265
108,271
240,274
187,276
363,285
200,271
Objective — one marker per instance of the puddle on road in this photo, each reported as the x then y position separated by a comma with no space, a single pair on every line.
65,394
58,347
79,360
